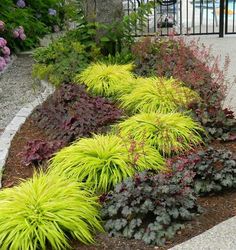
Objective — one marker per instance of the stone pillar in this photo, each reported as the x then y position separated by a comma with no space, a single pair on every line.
103,11
109,11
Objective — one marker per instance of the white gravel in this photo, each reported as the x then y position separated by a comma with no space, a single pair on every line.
17,88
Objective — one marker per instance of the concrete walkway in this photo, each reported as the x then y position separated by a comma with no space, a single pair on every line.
220,237
223,235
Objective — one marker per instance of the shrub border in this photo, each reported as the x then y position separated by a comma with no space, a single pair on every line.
13,127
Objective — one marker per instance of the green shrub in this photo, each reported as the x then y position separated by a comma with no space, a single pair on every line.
158,95
215,171
106,80
40,9
104,161
150,208
42,212
65,57
169,133
15,17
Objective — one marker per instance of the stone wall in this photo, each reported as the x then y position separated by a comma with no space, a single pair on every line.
103,11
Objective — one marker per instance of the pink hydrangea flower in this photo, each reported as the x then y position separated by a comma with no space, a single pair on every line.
22,36
6,51
21,29
15,33
2,25
3,42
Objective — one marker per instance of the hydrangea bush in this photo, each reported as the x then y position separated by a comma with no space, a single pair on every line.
4,49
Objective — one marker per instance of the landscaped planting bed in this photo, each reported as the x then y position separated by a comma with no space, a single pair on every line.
139,150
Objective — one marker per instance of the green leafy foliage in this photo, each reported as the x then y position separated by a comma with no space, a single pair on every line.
67,56
158,95
65,10
219,123
120,35
43,211
14,17
106,80
104,160
169,133
216,171
35,19
150,208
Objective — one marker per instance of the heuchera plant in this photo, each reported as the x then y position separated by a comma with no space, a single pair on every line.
4,50
37,151
150,208
215,170
72,113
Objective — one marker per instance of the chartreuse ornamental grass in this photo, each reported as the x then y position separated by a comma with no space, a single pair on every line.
41,213
169,133
106,80
105,160
158,95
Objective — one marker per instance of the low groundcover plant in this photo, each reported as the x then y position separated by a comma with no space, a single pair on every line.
104,160
150,208
43,211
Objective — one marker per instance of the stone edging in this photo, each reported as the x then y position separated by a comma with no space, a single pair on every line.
16,123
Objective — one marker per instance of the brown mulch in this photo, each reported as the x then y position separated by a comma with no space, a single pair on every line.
216,208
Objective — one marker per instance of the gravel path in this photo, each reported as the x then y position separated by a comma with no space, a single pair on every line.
16,89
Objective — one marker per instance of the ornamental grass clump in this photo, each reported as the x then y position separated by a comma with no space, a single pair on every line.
106,80
158,95
169,133
105,160
41,213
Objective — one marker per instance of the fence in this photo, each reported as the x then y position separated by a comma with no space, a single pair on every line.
187,17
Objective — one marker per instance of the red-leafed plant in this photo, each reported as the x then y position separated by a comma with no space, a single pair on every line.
71,113
37,151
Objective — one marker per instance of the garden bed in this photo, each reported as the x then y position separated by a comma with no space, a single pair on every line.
217,208
136,142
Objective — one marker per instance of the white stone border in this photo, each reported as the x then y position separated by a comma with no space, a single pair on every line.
16,123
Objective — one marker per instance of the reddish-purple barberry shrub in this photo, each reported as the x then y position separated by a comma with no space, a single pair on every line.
193,64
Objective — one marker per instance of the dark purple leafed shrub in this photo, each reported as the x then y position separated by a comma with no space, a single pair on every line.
72,113
192,64
37,151
215,170
219,123
150,208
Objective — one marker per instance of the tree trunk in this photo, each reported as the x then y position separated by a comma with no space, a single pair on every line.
109,11
103,11
89,10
